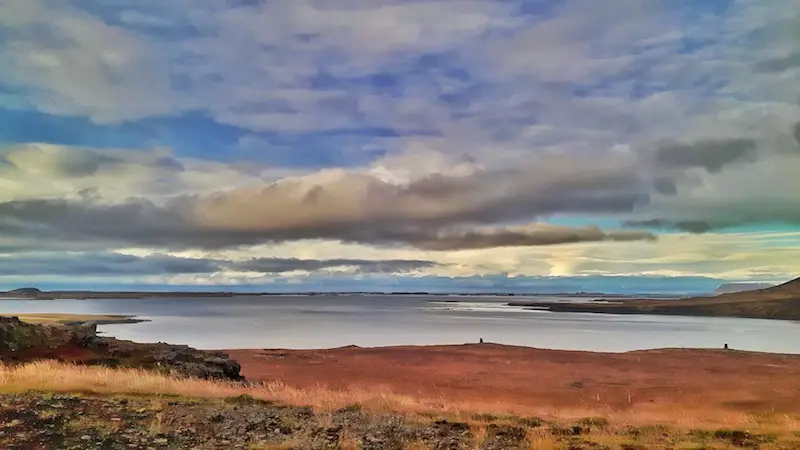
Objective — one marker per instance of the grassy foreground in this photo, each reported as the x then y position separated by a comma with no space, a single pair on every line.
53,405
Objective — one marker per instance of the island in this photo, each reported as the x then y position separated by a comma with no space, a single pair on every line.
777,302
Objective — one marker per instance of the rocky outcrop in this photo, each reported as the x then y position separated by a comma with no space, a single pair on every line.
20,341
179,360
17,336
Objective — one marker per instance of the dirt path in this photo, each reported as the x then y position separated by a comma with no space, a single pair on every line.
700,383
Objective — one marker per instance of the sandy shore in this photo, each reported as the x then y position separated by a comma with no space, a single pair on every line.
670,383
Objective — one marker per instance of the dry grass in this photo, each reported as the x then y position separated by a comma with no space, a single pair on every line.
60,377
51,318
542,440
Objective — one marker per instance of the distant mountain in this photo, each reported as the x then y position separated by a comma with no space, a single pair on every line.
732,288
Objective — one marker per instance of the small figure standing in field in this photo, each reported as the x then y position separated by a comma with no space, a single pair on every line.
726,346
481,341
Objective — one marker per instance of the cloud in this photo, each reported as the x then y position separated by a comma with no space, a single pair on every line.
690,226
711,154
796,133
439,206
85,205
768,256
56,162
106,264
101,264
71,63
761,194
383,125
781,64
58,224
281,265
527,236
46,171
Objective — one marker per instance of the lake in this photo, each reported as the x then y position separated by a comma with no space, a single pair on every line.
323,321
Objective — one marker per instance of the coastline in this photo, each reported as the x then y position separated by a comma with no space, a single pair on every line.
75,319
780,302
777,309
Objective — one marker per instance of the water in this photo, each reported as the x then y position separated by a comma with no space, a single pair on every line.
368,321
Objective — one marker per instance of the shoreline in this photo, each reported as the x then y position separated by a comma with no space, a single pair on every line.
777,303
75,319
782,309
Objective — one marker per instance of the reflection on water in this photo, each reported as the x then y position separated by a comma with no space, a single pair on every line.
324,322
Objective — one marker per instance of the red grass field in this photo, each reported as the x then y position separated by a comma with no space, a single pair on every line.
676,385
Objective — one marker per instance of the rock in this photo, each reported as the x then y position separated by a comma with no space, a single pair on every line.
16,337
178,360
84,333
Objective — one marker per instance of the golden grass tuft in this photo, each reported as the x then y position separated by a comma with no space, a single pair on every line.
56,318
61,377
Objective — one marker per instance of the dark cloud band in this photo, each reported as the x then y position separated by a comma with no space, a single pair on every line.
102,264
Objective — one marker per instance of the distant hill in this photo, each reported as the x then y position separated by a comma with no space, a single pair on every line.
776,302
27,292
788,288
732,288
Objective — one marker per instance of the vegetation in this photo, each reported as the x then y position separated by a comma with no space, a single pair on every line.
68,319
73,406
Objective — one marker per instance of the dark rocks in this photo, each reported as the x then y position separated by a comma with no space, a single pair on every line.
178,360
447,435
16,335
84,334
505,437
21,341
387,433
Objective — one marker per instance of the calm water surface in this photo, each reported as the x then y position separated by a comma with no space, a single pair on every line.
368,321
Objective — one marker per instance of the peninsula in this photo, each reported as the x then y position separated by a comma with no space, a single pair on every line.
779,302
74,319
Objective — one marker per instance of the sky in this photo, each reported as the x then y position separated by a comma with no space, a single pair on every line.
443,145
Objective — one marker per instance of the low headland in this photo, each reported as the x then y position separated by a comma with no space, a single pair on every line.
75,319
62,386
777,302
